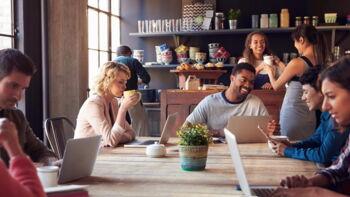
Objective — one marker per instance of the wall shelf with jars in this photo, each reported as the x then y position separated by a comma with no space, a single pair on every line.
178,34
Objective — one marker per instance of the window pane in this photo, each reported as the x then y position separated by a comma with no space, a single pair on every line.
114,55
93,30
104,5
5,17
5,42
115,7
103,31
103,57
93,3
115,33
93,66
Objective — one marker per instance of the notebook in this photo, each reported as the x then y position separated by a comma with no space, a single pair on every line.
240,173
167,130
246,129
79,158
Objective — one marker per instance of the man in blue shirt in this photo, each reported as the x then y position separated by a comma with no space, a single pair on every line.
324,145
139,74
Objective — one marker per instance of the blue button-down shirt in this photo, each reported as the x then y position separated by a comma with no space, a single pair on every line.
323,146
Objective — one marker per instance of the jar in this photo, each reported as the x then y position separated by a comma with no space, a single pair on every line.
219,20
306,20
273,20
284,18
264,21
298,21
315,21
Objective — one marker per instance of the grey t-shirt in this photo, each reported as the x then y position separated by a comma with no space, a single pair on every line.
215,110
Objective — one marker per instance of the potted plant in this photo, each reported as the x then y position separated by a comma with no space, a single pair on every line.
232,17
193,146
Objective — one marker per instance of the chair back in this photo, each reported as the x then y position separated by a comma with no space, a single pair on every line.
58,131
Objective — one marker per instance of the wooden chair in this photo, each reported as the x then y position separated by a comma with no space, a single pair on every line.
58,131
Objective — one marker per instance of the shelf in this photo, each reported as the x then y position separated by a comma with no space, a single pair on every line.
173,66
176,35
235,31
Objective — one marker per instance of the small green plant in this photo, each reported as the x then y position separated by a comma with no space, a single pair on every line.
233,14
194,135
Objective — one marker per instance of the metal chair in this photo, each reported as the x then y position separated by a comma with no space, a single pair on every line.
58,131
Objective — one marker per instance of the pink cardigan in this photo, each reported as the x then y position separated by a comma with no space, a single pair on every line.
21,178
94,119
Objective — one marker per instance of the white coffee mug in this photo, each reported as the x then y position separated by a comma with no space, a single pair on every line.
48,175
268,59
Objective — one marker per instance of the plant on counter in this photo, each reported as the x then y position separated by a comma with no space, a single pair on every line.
232,17
193,146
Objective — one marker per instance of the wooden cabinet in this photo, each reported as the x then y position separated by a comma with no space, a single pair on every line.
183,102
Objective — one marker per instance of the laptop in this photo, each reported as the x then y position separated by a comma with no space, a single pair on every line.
79,158
167,130
241,176
246,129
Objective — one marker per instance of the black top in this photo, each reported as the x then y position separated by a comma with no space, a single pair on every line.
308,63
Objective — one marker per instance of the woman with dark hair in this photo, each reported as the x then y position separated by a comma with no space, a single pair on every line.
335,86
295,115
255,47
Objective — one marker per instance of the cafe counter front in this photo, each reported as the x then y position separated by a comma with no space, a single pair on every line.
184,102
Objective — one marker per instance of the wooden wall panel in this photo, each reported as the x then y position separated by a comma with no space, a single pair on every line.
68,56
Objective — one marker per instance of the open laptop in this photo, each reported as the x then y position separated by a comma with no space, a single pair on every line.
240,173
167,130
246,129
79,158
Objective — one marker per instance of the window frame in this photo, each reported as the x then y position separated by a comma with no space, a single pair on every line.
109,14
14,30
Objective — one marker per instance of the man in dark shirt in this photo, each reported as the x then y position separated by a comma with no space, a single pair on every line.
139,121
16,71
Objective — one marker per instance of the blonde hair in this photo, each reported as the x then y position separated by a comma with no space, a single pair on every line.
107,73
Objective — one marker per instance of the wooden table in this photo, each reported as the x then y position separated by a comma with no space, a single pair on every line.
128,172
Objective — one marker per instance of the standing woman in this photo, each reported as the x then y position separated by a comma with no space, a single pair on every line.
100,114
255,47
295,115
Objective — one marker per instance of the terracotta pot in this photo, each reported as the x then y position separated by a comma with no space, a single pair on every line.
193,158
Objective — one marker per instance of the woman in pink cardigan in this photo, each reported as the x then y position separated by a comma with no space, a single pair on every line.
21,178
100,114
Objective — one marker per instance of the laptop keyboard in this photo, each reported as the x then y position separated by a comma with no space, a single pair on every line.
262,192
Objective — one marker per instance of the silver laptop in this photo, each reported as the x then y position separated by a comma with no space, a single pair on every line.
240,173
79,158
167,130
246,129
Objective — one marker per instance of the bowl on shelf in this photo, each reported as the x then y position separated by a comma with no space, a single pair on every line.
330,17
221,59
167,57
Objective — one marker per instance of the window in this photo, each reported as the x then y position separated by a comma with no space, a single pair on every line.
104,33
7,33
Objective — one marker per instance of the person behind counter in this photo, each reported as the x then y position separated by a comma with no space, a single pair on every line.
139,74
295,115
100,113
335,87
324,145
256,47
216,109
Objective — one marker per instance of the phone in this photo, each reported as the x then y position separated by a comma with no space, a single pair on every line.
274,138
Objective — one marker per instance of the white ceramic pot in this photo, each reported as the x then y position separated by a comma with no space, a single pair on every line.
156,150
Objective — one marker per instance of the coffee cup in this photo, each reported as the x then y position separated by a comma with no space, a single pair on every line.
268,59
48,175
130,93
